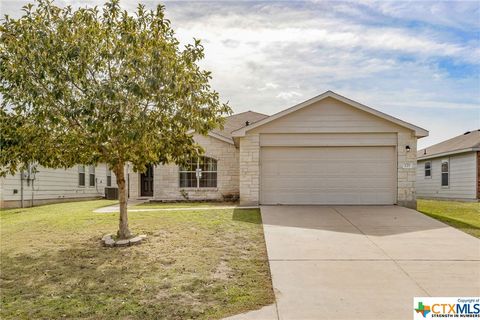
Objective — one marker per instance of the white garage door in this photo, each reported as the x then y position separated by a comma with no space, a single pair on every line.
328,175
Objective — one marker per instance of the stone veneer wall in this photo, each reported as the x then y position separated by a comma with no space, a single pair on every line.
233,178
166,185
250,169
407,170
133,183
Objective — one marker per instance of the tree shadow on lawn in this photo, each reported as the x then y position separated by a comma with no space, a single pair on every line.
87,280
246,215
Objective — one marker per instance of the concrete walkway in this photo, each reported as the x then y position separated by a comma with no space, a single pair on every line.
133,208
362,262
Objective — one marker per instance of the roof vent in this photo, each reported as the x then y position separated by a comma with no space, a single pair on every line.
466,132
247,123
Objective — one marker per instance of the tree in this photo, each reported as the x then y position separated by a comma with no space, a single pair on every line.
89,86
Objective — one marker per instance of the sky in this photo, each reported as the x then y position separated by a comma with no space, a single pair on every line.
417,61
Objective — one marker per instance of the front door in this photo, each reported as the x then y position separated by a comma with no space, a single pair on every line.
146,182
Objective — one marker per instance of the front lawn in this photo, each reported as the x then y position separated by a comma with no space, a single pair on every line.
204,264
461,215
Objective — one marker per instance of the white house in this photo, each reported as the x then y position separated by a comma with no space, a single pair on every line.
45,185
450,169
326,150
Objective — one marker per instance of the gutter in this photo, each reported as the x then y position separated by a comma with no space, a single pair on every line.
448,153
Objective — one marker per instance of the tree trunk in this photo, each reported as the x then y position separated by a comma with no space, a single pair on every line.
123,231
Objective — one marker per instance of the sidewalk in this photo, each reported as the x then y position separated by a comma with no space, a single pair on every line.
132,207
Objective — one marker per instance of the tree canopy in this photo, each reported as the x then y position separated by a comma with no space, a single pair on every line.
101,85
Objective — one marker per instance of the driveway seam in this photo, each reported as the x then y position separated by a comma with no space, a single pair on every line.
389,259
384,252
269,267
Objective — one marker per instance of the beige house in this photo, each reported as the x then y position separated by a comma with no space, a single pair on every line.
326,150
44,185
451,169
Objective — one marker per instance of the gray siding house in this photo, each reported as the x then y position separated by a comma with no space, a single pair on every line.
450,169
45,185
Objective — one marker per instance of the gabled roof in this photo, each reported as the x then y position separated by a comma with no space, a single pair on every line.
235,122
469,141
419,132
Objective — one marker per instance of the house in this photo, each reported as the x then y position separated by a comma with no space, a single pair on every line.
450,169
326,150
44,185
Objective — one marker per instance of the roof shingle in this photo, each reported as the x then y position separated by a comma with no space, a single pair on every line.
465,141
237,121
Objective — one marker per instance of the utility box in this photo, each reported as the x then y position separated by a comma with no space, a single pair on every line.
111,193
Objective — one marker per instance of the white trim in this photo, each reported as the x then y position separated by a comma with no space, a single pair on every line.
425,170
419,132
448,153
84,176
215,135
198,174
447,161
220,137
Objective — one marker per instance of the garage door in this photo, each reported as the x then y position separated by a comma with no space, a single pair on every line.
328,175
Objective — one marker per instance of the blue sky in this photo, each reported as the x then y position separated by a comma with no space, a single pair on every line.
419,61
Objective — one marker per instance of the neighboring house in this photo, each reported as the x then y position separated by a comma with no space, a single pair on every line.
450,169
326,150
45,185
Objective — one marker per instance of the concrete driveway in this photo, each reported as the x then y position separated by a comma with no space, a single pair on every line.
363,262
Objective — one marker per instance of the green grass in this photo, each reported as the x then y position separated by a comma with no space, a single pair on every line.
204,264
464,216
167,205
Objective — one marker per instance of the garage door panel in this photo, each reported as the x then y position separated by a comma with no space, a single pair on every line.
335,198
331,170
321,152
333,183
328,175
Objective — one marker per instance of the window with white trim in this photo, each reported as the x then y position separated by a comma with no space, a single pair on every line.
81,175
428,169
109,177
91,176
445,173
199,172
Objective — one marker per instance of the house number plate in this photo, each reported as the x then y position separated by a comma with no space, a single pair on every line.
407,165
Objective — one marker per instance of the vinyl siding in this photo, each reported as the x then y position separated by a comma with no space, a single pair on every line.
329,115
55,184
478,175
463,173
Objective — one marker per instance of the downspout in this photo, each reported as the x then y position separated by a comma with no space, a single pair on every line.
32,192
21,188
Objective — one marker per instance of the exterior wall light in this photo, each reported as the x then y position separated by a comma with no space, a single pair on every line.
407,148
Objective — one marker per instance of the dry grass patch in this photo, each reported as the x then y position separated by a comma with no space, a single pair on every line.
194,264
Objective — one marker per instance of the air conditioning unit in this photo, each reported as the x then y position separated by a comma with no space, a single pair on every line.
111,193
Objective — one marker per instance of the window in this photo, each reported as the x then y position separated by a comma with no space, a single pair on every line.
91,175
199,173
109,177
445,173
81,175
428,169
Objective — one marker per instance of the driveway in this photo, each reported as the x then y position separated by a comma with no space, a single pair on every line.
364,262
